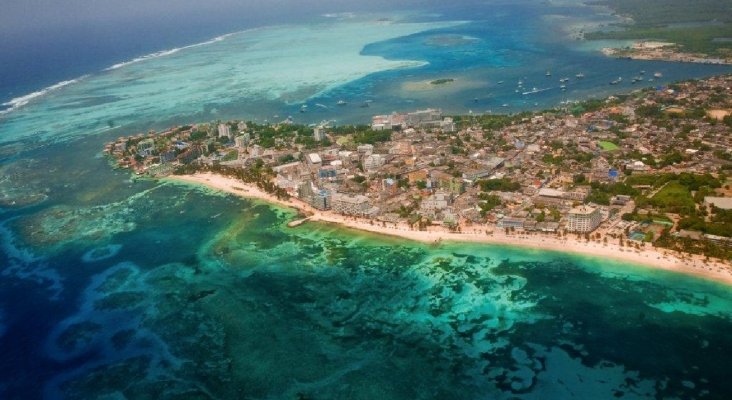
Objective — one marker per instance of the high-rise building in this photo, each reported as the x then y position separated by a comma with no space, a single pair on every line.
319,133
583,219
241,141
224,131
350,205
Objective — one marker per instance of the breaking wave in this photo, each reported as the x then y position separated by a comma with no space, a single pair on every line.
18,102
21,101
164,53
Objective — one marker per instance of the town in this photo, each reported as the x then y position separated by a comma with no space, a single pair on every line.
644,169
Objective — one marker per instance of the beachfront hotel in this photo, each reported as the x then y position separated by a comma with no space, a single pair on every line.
583,219
351,205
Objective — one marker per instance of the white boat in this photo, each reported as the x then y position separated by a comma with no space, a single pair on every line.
342,102
580,76
548,73
535,90
658,75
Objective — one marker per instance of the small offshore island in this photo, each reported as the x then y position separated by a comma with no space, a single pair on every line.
640,177
442,81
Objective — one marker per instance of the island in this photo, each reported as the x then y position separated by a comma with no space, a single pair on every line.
442,81
670,30
641,177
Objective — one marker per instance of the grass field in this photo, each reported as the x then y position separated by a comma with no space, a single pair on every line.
674,197
608,146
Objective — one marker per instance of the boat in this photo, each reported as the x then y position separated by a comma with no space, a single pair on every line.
564,80
534,90
342,102
615,82
658,75
304,108
563,87
504,105
548,73
643,72
500,82
580,76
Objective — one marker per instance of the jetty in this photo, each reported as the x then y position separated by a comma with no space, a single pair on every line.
298,222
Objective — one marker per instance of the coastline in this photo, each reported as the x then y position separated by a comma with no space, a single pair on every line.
662,259
645,50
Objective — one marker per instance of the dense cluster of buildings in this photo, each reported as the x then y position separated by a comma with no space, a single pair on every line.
534,173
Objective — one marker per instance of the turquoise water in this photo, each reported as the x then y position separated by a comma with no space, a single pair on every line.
269,73
114,288
141,289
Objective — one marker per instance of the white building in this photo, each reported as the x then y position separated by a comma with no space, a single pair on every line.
437,202
374,162
224,131
350,205
637,166
447,125
314,159
255,151
241,141
319,133
583,219
424,118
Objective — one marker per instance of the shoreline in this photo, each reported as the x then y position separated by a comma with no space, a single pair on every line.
662,259
645,50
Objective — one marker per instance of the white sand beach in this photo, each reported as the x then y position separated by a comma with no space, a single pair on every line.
648,256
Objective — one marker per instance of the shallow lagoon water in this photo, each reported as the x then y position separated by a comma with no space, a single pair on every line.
367,61
114,288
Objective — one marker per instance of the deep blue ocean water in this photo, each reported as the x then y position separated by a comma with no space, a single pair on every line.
116,288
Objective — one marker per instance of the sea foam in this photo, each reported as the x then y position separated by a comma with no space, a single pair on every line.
164,53
21,101
18,102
